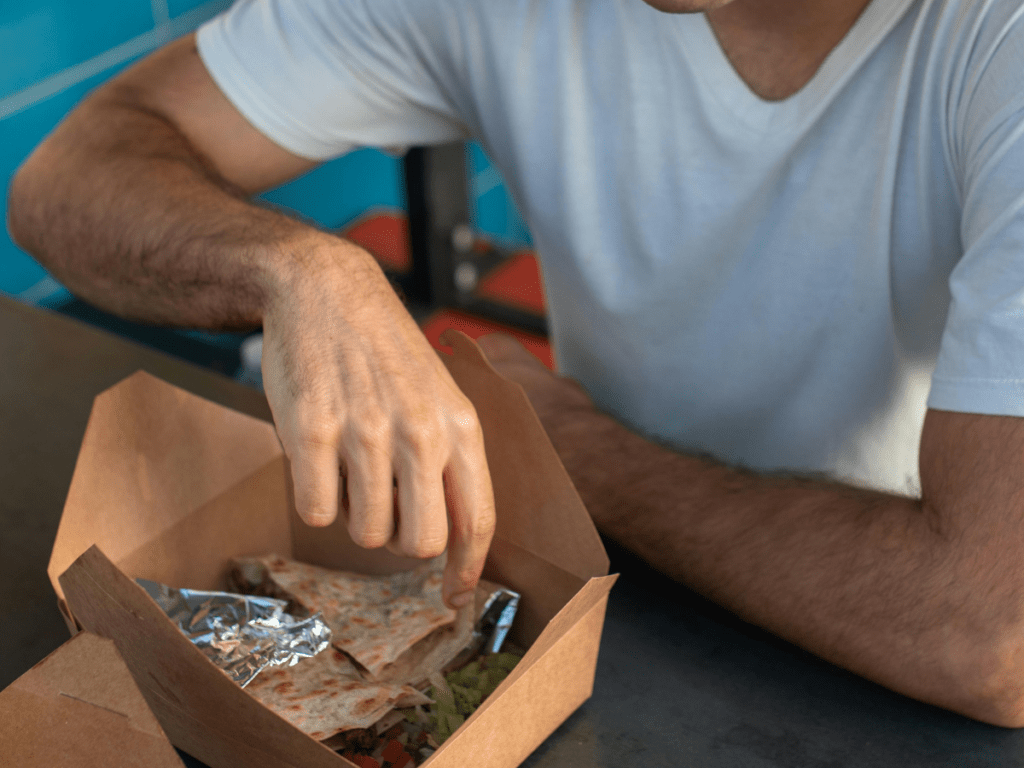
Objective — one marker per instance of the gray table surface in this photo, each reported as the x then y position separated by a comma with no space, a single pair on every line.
679,682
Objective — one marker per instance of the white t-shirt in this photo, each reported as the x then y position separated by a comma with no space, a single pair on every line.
764,281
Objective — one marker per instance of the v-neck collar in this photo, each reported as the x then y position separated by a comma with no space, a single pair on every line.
725,86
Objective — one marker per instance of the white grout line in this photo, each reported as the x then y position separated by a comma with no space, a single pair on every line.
147,41
44,289
486,180
161,13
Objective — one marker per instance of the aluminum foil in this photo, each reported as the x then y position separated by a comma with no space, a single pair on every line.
496,620
241,634
491,628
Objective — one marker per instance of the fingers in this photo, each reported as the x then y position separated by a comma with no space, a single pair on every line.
443,500
315,477
443,497
422,518
416,477
502,347
470,503
371,517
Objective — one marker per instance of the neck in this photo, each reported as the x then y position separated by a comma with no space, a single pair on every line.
776,46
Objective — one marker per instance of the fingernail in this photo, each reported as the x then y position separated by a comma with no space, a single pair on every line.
460,599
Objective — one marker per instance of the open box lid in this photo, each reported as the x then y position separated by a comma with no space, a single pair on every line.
80,708
144,435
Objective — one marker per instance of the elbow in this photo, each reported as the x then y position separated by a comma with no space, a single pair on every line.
37,209
991,688
1002,704
23,206
17,204
1002,708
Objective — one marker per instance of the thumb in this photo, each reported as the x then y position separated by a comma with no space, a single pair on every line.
504,348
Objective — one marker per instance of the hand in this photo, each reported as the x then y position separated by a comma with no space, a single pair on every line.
552,396
355,388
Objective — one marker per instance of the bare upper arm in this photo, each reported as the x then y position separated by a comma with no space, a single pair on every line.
971,469
174,83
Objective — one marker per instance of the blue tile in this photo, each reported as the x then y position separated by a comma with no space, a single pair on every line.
19,273
210,8
494,211
178,7
339,191
39,38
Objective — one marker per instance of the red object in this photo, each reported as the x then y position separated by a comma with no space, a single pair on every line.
365,761
386,236
392,751
516,281
403,760
475,327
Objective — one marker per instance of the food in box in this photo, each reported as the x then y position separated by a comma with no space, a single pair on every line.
169,487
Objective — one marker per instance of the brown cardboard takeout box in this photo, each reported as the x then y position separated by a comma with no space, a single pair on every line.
80,707
168,487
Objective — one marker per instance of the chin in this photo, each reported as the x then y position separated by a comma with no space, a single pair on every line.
686,6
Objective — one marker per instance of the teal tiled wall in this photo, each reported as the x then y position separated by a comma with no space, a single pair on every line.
47,36
494,213
53,52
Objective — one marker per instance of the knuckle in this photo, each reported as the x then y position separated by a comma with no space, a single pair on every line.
420,434
465,421
469,574
368,434
314,435
369,537
427,546
317,437
311,509
481,529
479,535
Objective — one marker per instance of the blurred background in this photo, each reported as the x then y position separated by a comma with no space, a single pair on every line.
53,52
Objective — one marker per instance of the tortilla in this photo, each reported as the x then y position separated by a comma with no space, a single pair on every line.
438,649
326,694
374,619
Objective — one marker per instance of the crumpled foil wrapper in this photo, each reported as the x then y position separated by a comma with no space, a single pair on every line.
496,620
241,634
491,628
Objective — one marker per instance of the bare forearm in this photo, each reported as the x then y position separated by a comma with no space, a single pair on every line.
117,205
882,585
128,203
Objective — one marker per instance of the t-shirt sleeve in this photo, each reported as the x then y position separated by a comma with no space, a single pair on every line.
980,368
321,77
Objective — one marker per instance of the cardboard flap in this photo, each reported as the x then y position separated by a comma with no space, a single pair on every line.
540,694
203,711
194,553
593,591
143,437
80,707
567,620
538,507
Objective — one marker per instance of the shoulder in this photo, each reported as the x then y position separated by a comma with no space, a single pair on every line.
967,33
967,57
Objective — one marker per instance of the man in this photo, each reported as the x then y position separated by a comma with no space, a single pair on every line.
752,221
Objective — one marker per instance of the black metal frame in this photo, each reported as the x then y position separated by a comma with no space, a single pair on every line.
438,201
